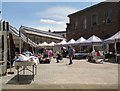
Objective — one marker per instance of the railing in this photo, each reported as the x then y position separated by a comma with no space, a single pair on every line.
27,40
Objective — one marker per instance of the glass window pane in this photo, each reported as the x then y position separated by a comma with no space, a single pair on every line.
109,16
94,20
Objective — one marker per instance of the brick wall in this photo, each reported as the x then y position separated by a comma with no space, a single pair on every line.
101,30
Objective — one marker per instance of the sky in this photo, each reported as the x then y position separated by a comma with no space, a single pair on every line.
41,15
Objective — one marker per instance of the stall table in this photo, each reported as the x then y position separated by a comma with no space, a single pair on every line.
23,65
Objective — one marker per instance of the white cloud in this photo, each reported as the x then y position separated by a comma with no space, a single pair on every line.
54,18
48,21
56,13
46,24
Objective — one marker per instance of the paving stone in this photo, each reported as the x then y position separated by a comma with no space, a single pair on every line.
79,75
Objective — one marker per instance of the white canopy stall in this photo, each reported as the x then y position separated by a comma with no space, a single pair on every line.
70,42
44,44
114,39
79,41
63,42
52,44
94,41
59,45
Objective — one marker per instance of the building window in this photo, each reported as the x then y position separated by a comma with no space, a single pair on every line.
85,23
76,25
108,16
94,20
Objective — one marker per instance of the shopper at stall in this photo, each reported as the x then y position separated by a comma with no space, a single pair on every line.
45,57
58,57
50,54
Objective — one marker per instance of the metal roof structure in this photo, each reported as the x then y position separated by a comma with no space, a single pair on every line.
15,32
59,32
40,32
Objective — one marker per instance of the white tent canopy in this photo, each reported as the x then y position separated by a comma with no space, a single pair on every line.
72,41
114,38
80,40
93,40
45,44
39,44
52,43
63,42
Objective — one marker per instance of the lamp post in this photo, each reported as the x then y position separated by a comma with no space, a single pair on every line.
115,45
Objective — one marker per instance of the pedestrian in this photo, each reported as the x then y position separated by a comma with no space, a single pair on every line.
50,54
58,57
45,57
70,54
74,51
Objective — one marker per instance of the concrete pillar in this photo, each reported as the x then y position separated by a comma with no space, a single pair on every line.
20,44
4,66
4,28
107,47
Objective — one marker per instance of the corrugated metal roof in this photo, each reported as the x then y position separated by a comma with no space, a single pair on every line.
44,35
40,32
59,32
13,30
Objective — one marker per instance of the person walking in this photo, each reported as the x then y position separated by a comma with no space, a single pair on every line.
70,54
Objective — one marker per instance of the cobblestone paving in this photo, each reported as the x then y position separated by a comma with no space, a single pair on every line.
79,75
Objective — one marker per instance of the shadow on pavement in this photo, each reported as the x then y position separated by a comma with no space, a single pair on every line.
23,79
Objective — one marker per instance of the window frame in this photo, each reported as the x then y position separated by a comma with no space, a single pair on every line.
76,25
108,16
84,23
94,19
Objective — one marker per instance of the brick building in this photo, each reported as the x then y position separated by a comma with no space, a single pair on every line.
102,20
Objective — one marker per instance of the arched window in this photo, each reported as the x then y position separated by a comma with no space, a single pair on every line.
108,16
94,20
76,25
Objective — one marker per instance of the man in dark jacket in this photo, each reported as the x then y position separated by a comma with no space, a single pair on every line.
70,54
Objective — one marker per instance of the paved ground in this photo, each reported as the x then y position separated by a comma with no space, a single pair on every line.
80,75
